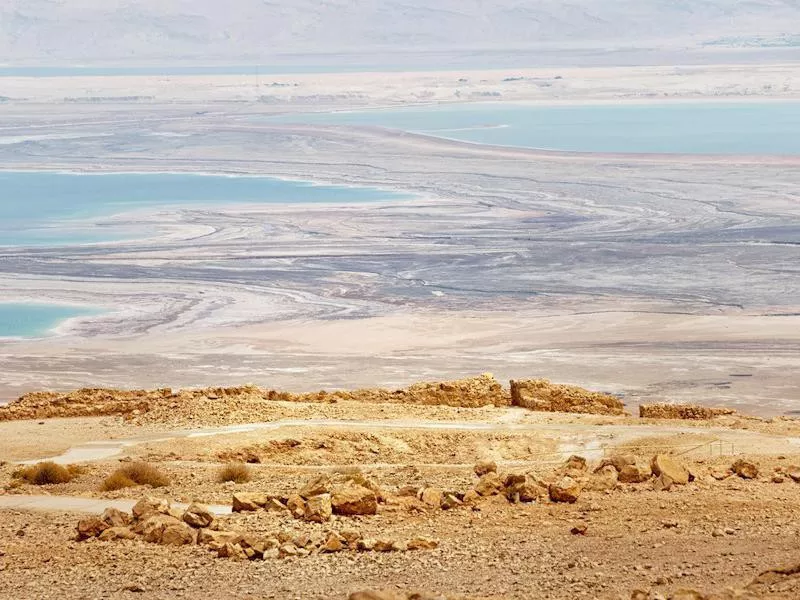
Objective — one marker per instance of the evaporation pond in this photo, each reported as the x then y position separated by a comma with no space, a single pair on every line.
40,208
753,128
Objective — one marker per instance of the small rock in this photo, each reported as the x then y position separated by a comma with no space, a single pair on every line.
116,533
662,483
664,464
485,466
248,501
575,463
91,527
333,543
233,551
687,594
422,543
634,474
297,506
316,486
216,539
579,529
565,490
432,496
148,506
198,516
115,518
353,499
744,469
489,485
319,508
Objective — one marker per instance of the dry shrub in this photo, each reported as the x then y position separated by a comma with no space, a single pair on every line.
117,481
237,472
45,473
134,474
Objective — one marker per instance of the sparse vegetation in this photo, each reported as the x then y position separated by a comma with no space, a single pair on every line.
238,472
46,473
138,473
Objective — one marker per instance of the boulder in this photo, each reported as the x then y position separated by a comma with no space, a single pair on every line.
319,508
320,484
115,518
117,533
432,497
353,499
485,466
198,516
564,490
296,506
489,485
248,501
664,464
148,506
745,469
91,527
634,474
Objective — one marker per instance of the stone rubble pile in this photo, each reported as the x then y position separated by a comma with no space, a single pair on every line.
156,521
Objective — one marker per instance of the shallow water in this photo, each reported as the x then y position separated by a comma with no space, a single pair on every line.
765,128
34,320
41,208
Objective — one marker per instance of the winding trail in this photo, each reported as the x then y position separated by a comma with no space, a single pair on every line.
573,437
78,504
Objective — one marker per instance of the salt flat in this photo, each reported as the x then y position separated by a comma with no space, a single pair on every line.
656,277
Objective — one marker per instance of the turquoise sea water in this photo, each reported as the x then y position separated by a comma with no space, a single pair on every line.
679,128
34,320
40,208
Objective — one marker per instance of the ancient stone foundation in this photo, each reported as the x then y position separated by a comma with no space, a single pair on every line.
681,411
541,395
